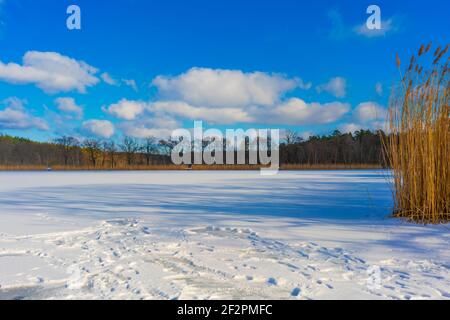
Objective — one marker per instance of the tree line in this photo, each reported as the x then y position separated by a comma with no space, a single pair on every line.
93,153
360,147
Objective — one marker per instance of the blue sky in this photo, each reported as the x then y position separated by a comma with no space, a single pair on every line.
144,68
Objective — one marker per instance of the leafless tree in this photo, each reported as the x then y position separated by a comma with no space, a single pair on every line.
130,147
166,146
67,145
148,148
110,150
93,147
292,137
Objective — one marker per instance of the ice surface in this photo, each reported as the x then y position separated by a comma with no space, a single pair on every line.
212,235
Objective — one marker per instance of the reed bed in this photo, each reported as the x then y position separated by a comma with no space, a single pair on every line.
417,147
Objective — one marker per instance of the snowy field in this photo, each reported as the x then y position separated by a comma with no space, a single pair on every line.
213,235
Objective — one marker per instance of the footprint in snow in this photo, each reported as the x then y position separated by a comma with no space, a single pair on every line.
272,282
329,286
295,292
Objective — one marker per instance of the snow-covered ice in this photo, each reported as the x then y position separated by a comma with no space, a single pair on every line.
213,235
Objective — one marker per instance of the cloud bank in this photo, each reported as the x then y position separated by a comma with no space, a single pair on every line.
226,97
51,72
369,116
14,116
98,128
69,107
225,88
336,87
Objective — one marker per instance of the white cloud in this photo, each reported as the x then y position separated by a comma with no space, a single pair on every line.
126,109
98,128
387,26
225,88
106,77
350,127
370,111
368,116
69,106
14,102
292,112
212,115
340,30
156,126
131,83
379,88
223,97
297,112
51,72
19,119
306,135
14,116
142,131
336,86
381,125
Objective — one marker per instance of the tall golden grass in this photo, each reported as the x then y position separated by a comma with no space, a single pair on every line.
418,146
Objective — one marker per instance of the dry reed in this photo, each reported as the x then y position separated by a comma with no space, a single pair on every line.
418,145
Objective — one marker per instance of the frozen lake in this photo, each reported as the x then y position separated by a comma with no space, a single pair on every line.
208,235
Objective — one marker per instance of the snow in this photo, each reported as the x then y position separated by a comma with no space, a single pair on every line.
213,235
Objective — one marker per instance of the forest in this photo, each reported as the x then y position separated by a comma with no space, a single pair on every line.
362,147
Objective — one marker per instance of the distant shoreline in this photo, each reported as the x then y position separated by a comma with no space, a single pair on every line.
324,167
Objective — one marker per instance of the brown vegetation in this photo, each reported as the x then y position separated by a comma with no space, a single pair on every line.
418,148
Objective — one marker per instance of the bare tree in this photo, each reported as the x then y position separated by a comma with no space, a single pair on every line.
93,147
67,146
129,146
166,146
110,149
148,148
292,137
